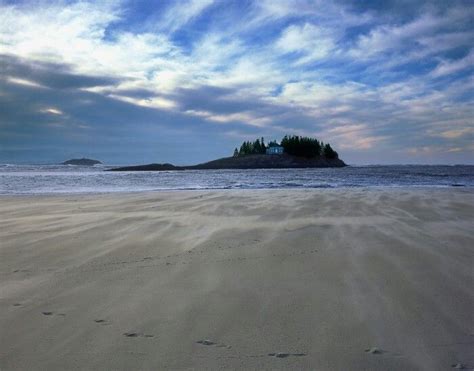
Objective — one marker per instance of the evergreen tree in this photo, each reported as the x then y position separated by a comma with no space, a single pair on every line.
293,145
301,146
256,147
329,152
242,149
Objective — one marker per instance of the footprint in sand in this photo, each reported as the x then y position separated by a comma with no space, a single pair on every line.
286,355
461,366
374,350
205,342
47,313
102,321
137,334
212,343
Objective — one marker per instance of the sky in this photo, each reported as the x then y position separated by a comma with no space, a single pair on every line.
130,82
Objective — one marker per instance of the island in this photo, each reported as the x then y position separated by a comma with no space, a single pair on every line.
82,161
291,152
149,167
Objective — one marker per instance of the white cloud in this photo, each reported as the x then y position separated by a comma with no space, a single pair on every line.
353,136
52,111
423,35
25,82
448,67
318,94
246,118
182,13
155,102
456,133
387,38
327,12
313,42
54,32
74,35
435,43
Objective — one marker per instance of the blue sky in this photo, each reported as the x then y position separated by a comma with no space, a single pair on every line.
187,81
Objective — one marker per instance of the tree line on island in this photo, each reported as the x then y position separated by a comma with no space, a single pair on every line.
293,145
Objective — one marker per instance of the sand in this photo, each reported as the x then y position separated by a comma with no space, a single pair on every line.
308,279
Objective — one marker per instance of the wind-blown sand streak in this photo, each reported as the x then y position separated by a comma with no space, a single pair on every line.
307,279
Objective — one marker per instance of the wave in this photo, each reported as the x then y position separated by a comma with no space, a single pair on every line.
50,179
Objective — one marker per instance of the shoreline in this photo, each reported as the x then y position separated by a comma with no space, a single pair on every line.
242,279
247,162
292,189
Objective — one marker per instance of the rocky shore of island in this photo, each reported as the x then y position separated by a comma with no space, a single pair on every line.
292,152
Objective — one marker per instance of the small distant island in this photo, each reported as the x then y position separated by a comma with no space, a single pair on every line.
292,152
81,161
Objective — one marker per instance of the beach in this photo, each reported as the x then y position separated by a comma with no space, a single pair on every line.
326,279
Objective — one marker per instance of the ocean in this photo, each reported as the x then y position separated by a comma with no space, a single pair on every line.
54,179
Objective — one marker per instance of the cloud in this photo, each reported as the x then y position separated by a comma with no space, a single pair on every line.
49,75
456,133
351,135
16,80
428,34
182,13
363,78
155,102
448,67
387,38
246,118
314,43
52,111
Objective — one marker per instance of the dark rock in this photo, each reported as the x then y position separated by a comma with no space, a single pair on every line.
283,161
81,161
149,167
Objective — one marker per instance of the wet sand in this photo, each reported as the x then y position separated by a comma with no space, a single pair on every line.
307,279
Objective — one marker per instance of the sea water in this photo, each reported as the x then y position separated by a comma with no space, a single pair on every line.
52,179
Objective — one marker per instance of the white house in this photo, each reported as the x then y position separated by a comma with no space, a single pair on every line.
275,150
